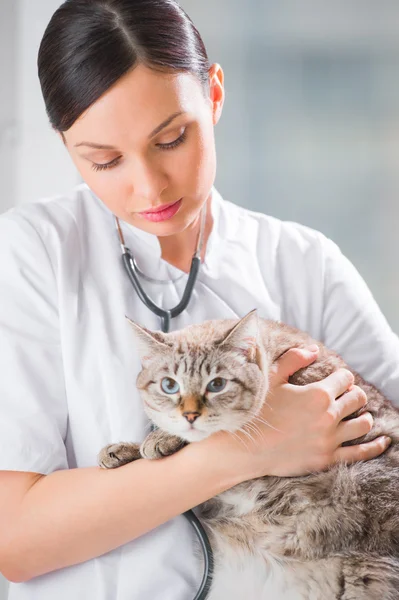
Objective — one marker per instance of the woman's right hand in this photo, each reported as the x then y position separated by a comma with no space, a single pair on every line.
299,429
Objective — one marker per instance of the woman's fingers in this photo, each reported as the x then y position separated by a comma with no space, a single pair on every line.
350,402
290,362
354,428
335,384
365,451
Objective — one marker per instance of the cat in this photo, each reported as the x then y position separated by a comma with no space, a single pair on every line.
330,535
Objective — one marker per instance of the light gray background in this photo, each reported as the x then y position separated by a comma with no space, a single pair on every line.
309,131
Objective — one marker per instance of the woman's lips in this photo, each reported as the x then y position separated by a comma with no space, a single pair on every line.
162,214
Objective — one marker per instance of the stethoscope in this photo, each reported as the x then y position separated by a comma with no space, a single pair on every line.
133,272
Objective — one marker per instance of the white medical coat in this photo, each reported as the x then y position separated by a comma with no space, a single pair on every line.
69,363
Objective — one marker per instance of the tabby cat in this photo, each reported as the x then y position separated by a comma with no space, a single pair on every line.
323,536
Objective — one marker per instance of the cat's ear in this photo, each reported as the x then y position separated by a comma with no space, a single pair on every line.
244,336
149,343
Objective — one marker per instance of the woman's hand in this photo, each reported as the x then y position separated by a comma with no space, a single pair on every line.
300,429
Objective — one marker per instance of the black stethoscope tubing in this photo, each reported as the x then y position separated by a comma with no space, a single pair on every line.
166,316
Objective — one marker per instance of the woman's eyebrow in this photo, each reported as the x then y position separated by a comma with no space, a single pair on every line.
152,134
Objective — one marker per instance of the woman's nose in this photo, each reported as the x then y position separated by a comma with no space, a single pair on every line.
147,181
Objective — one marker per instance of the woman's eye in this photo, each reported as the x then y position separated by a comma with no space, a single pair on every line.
175,143
100,167
114,163
216,385
169,385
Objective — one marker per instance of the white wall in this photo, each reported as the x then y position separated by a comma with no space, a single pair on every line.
43,165
8,100
38,164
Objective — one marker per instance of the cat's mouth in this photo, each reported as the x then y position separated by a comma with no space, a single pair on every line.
193,434
193,431
193,427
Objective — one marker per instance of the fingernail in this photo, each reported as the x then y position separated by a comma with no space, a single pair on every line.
312,348
387,440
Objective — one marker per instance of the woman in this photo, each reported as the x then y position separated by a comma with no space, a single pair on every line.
130,91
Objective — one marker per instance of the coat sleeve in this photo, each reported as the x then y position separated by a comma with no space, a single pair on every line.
353,324
33,413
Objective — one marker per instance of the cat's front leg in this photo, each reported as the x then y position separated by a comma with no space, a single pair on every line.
116,455
160,443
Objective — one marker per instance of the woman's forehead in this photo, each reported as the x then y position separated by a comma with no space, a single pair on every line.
139,101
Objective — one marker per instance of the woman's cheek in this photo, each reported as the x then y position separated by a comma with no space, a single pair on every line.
109,188
201,164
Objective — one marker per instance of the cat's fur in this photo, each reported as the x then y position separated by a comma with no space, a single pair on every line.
330,535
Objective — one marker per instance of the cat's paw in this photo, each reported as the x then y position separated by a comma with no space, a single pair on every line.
159,444
116,455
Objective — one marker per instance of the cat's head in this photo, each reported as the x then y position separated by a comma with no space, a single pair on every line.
204,378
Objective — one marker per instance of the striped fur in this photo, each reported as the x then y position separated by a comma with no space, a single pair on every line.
324,536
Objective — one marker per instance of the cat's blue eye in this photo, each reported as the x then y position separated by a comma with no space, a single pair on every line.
216,385
169,385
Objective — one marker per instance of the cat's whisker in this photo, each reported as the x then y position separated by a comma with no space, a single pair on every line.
256,429
256,418
267,404
253,428
262,420
247,434
239,439
256,437
271,394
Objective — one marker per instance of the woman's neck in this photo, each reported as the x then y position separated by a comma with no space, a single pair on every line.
178,249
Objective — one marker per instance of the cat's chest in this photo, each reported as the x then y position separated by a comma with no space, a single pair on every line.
237,576
235,518
247,548
239,519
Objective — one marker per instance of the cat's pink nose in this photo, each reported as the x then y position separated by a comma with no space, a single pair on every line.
191,416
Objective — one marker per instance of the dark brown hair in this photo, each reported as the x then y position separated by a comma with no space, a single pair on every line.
89,44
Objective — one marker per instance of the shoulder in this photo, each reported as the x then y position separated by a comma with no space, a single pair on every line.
49,220
271,236
53,209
